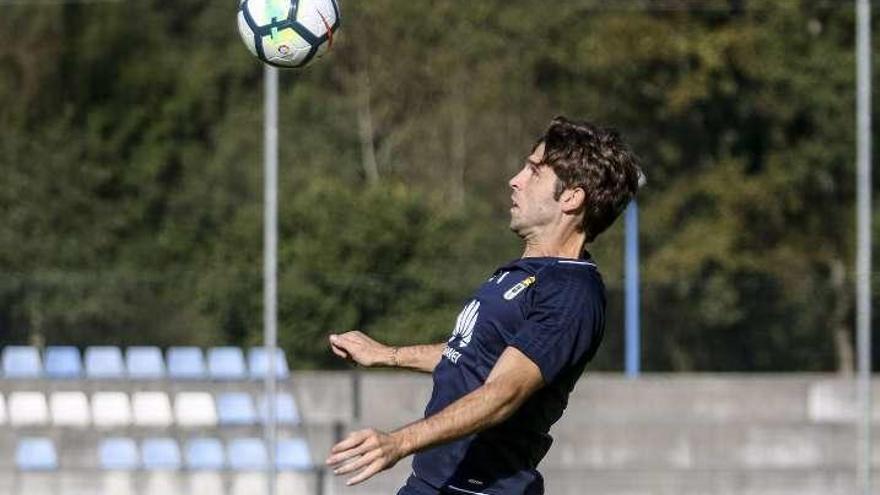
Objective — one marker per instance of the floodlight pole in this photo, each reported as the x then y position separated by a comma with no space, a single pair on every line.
631,269
863,237
270,262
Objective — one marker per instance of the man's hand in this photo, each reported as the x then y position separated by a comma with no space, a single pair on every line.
357,347
370,451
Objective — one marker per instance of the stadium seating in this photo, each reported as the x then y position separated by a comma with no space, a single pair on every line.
21,361
160,453
248,483
286,411
151,409
63,362
186,363
226,363
246,454
117,453
144,363
195,409
118,482
258,363
208,483
235,408
140,362
111,410
297,482
137,421
69,409
28,409
104,362
293,453
162,483
36,454
205,454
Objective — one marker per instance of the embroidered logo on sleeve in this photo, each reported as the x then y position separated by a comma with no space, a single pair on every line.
516,289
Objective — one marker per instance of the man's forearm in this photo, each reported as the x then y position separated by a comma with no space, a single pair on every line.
485,407
512,380
417,357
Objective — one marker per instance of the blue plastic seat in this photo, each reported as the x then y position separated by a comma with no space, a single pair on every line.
160,453
144,362
63,362
258,363
226,363
116,453
104,362
286,411
293,453
21,361
36,454
205,453
186,363
247,454
235,408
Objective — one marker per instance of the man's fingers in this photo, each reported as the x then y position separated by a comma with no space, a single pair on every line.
345,455
358,463
353,440
339,351
375,467
365,451
343,341
336,459
354,337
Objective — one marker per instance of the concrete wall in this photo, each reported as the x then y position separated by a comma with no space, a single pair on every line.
389,397
660,434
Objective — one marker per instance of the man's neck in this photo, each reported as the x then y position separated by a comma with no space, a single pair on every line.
565,246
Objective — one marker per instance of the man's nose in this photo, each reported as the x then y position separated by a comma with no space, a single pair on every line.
514,181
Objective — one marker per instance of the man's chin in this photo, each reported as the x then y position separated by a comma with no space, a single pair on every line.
515,227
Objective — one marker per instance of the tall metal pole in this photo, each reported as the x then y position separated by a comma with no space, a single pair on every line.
633,330
863,237
270,261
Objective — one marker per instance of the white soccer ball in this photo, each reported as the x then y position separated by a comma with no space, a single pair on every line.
288,33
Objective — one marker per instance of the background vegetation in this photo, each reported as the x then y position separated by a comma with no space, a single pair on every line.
130,152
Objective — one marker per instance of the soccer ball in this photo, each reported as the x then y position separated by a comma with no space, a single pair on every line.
288,33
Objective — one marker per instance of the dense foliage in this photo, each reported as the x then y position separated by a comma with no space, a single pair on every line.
131,183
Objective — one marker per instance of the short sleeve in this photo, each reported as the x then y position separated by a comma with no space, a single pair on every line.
565,321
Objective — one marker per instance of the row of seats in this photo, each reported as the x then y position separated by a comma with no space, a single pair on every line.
141,362
206,453
149,409
162,483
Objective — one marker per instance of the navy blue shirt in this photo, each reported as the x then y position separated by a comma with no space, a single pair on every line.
553,311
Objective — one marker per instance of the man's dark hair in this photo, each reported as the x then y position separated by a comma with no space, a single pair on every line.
597,160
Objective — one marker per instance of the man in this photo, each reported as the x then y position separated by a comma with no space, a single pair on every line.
520,344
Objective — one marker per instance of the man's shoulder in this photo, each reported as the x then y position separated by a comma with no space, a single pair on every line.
580,274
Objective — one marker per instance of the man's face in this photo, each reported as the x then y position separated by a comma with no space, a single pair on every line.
533,202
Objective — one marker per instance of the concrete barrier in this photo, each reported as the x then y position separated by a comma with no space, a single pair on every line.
718,434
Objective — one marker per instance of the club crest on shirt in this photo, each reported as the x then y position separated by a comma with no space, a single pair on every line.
518,288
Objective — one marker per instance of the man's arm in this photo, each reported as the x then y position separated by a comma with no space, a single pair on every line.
361,349
514,378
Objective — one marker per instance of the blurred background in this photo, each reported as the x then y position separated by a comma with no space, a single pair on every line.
131,211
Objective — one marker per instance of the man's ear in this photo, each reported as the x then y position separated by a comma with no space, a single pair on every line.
573,200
